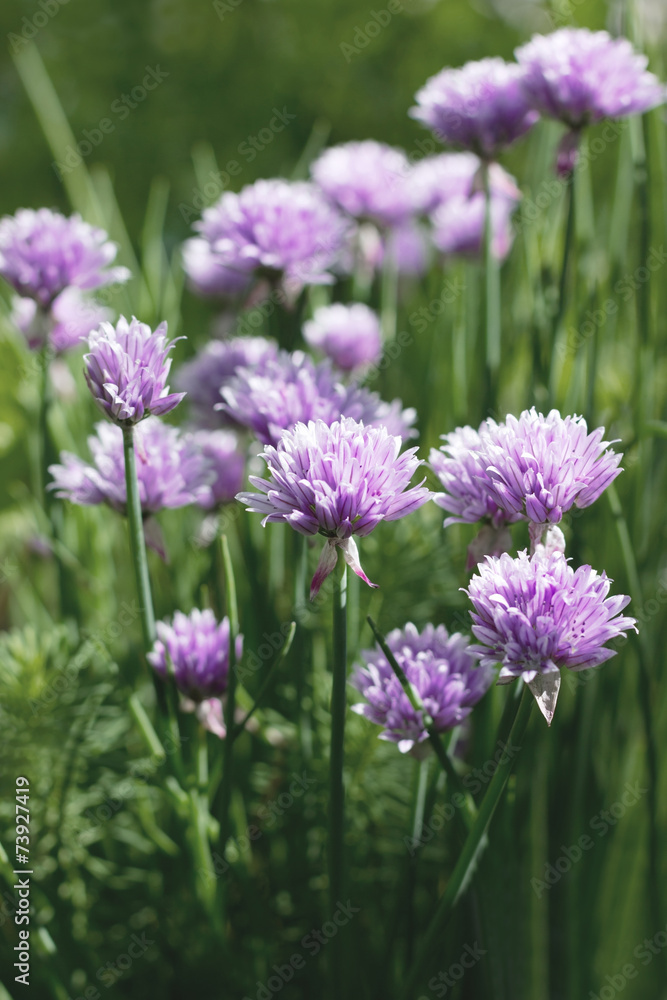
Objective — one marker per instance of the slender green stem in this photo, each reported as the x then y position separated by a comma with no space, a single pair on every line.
416,830
463,868
266,683
230,704
137,540
492,295
336,794
563,283
469,813
389,291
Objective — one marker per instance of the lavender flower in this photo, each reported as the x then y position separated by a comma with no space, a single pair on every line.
206,273
287,230
535,615
540,466
580,76
205,375
451,175
69,321
281,391
461,466
459,225
221,450
171,470
195,648
480,107
369,180
339,481
42,253
349,335
127,369
441,670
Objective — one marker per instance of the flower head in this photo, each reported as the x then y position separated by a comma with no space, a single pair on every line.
195,649
441,670
171,470
457,175
221,450
212,368
479,107
368,180
580,76
282,391
459,224
284,228
42,253
206,273
460,464
337,480
535,615
70,320
349,335
127,368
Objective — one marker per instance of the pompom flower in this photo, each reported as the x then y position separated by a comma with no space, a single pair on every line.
457,175
349,335
480,107
282,391
337,480
207,275
535,615
580,77
126,369
42,253
194,649
221,450
369,180
212,368
459,225
279,228
70,320
171,470
442,671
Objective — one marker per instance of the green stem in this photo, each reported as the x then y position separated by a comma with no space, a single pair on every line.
336,794
266,683
230,704
389,291
463,869
561,307
492,296
137,540
417,826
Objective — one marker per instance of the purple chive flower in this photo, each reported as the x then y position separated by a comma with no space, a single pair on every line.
349,335
535,615
480,107
126,370
212,368
221,450
539,466
442,671
338,481
369,180
171,470
410,248
278,228
194,649
207,275
290,388
580,77
70,320
458,226
42,253
452,175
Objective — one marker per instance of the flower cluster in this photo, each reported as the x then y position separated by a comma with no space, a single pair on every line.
534,615
194,650
126,370
42,253
349,335
442,671
340,481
